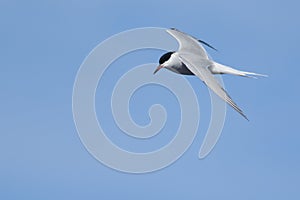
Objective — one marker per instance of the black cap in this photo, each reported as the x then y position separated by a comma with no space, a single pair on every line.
165,57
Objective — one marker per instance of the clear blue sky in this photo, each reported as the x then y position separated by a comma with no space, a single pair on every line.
43,43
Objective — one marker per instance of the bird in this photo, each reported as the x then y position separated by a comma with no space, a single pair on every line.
192,59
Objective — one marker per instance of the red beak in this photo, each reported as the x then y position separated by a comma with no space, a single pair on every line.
158,68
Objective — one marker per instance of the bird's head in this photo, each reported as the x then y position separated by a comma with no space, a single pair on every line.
163,61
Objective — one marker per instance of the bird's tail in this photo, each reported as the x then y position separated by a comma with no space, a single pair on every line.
217,68
250,74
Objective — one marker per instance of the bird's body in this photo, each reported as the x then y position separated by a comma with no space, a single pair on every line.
192,59
174,64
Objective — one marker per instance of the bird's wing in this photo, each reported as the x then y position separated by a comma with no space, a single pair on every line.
188,43
194,56
199,67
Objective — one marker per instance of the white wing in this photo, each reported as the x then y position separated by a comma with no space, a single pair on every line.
193,55
199,67
188,43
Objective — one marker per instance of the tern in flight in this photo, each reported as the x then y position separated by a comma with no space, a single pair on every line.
192,59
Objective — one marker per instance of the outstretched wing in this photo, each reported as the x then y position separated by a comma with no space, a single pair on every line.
194,56
188,43
199,67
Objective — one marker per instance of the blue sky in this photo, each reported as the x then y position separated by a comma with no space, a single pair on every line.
43,44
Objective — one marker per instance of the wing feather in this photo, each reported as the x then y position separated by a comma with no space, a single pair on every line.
200,68
194,56
188,43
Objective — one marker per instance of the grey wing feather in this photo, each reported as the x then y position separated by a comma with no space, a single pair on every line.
199,67
205,43
188,43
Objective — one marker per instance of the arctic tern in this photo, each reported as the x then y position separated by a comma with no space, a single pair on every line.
192,59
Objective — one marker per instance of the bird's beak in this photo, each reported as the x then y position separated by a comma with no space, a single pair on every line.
158,68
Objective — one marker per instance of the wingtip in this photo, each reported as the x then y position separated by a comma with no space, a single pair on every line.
246,118
205,43
242,113
235,106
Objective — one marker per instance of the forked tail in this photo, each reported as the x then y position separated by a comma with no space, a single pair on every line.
217,68
250,74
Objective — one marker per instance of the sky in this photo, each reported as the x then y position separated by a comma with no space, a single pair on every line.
43,44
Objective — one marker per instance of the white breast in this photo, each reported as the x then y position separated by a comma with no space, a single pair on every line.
176,65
